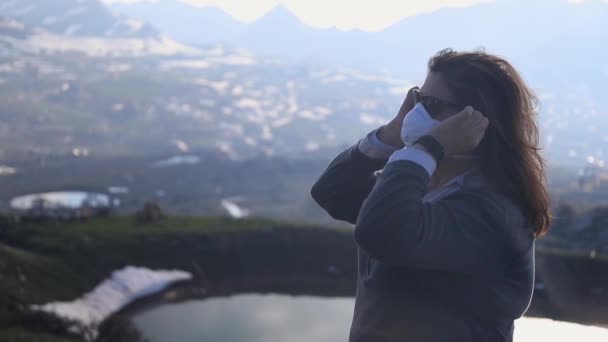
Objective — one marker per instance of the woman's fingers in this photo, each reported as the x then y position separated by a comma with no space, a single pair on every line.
478,121
462,132
472,118
408,103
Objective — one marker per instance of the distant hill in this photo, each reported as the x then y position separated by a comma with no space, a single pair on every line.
83,26
133,96
197,25
20,38
557,46
74,18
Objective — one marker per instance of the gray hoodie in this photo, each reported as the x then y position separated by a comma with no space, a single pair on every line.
454,266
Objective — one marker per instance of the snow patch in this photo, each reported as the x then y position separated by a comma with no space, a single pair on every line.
116,68
118,190
7,170
235,128
237,90
226,148
177,160
233,60
181,145
250,141
101,47
334,78
281,122
219,86
313,115
186,64
312,146
248,103
114,293
233,209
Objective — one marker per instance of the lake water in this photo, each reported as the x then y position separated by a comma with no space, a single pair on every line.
282,318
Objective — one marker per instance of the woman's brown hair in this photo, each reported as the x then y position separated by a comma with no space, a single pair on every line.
509,154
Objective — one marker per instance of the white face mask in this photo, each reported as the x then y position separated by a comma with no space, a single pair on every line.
418,123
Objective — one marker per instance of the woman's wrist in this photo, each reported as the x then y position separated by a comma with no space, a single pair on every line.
430,148
387,136
421,148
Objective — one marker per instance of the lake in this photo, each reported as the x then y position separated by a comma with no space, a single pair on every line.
286,318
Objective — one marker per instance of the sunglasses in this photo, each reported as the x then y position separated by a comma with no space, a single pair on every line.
434,105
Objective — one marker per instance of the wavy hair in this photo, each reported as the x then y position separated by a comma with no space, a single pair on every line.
509,154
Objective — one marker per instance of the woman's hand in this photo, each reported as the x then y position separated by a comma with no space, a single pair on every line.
391,133
461,133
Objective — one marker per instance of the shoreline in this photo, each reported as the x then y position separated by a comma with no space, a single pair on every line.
226,256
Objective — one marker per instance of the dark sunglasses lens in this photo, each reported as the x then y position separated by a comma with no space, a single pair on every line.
431,106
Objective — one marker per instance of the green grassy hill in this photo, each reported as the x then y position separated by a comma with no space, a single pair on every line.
59,261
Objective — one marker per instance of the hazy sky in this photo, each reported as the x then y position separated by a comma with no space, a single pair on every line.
369,15
344,14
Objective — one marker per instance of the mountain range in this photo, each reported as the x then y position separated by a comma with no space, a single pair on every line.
549,39
555,43
74,18
168,86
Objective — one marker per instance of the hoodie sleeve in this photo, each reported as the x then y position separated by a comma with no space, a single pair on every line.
462,232
349,178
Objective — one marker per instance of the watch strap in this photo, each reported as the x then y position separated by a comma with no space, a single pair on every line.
433,146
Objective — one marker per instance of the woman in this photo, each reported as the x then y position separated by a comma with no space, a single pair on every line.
446,231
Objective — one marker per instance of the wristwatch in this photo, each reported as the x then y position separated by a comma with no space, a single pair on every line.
432,146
